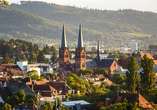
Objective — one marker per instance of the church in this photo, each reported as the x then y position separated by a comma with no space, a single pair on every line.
67,66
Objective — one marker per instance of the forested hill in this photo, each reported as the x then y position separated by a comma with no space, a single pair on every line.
41,23
131,21
16,23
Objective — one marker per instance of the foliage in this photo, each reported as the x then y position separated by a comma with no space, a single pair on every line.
123,106
103,71
4,2
131,74
47,106
6,107
6,59
118,56
49,75
92,56
54,57
34,75
118,78
147,75
31,99
85,72
41,58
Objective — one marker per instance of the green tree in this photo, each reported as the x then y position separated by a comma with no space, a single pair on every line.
85,72
131,74
24,47
54,57
147,75
118,78
21,95
6,107
92,56
31,99
93,49
6,59
41,57
45,50
103,71
30,47
70,55
47,106
32,58
4,2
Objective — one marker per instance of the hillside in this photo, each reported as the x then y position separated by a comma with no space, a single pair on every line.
41,23
131,21
16,23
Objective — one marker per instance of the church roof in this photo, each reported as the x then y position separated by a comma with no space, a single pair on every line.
67,68
91,63
64,42
80,38
107,62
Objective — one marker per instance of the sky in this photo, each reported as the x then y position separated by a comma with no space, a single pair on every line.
142,5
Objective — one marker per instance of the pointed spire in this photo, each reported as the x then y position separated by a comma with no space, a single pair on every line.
98,48
64,41
80,38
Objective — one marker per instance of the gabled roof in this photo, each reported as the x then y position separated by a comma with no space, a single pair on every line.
67,68
148,55
27,106
155,62
107,62
4,92
91,63
132,98
44,88
37,82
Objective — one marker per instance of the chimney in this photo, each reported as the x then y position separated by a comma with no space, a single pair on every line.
33,83
107,100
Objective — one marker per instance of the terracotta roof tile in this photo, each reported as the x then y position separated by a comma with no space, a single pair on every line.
132,98
30,106
148,55
155,62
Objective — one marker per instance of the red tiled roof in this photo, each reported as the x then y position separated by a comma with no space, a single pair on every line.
132,98
38,82
148,55
28,106
123,62
155,62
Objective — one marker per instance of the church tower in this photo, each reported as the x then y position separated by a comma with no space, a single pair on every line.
80,54
63,51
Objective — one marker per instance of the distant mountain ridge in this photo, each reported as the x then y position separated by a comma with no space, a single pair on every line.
100,20
40,22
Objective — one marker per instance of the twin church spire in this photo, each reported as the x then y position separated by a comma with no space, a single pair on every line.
80,38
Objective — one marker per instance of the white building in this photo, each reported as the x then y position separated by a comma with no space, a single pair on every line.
134,45
41,68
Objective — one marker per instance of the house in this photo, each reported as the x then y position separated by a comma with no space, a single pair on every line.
27,106
11,70
77,105
123,63
4,93
132,98
97,79
67,66
41,68
16,86
54,88
19,53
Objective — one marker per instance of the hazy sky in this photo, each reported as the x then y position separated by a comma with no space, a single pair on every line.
143,5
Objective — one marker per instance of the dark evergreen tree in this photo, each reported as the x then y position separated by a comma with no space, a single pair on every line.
24,47
41,57
45,50
147,75
70,55
131,74
54,57
32,58
6,58
30,47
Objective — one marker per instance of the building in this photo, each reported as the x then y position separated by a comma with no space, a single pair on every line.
77,105
67,66
132,98
134,45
